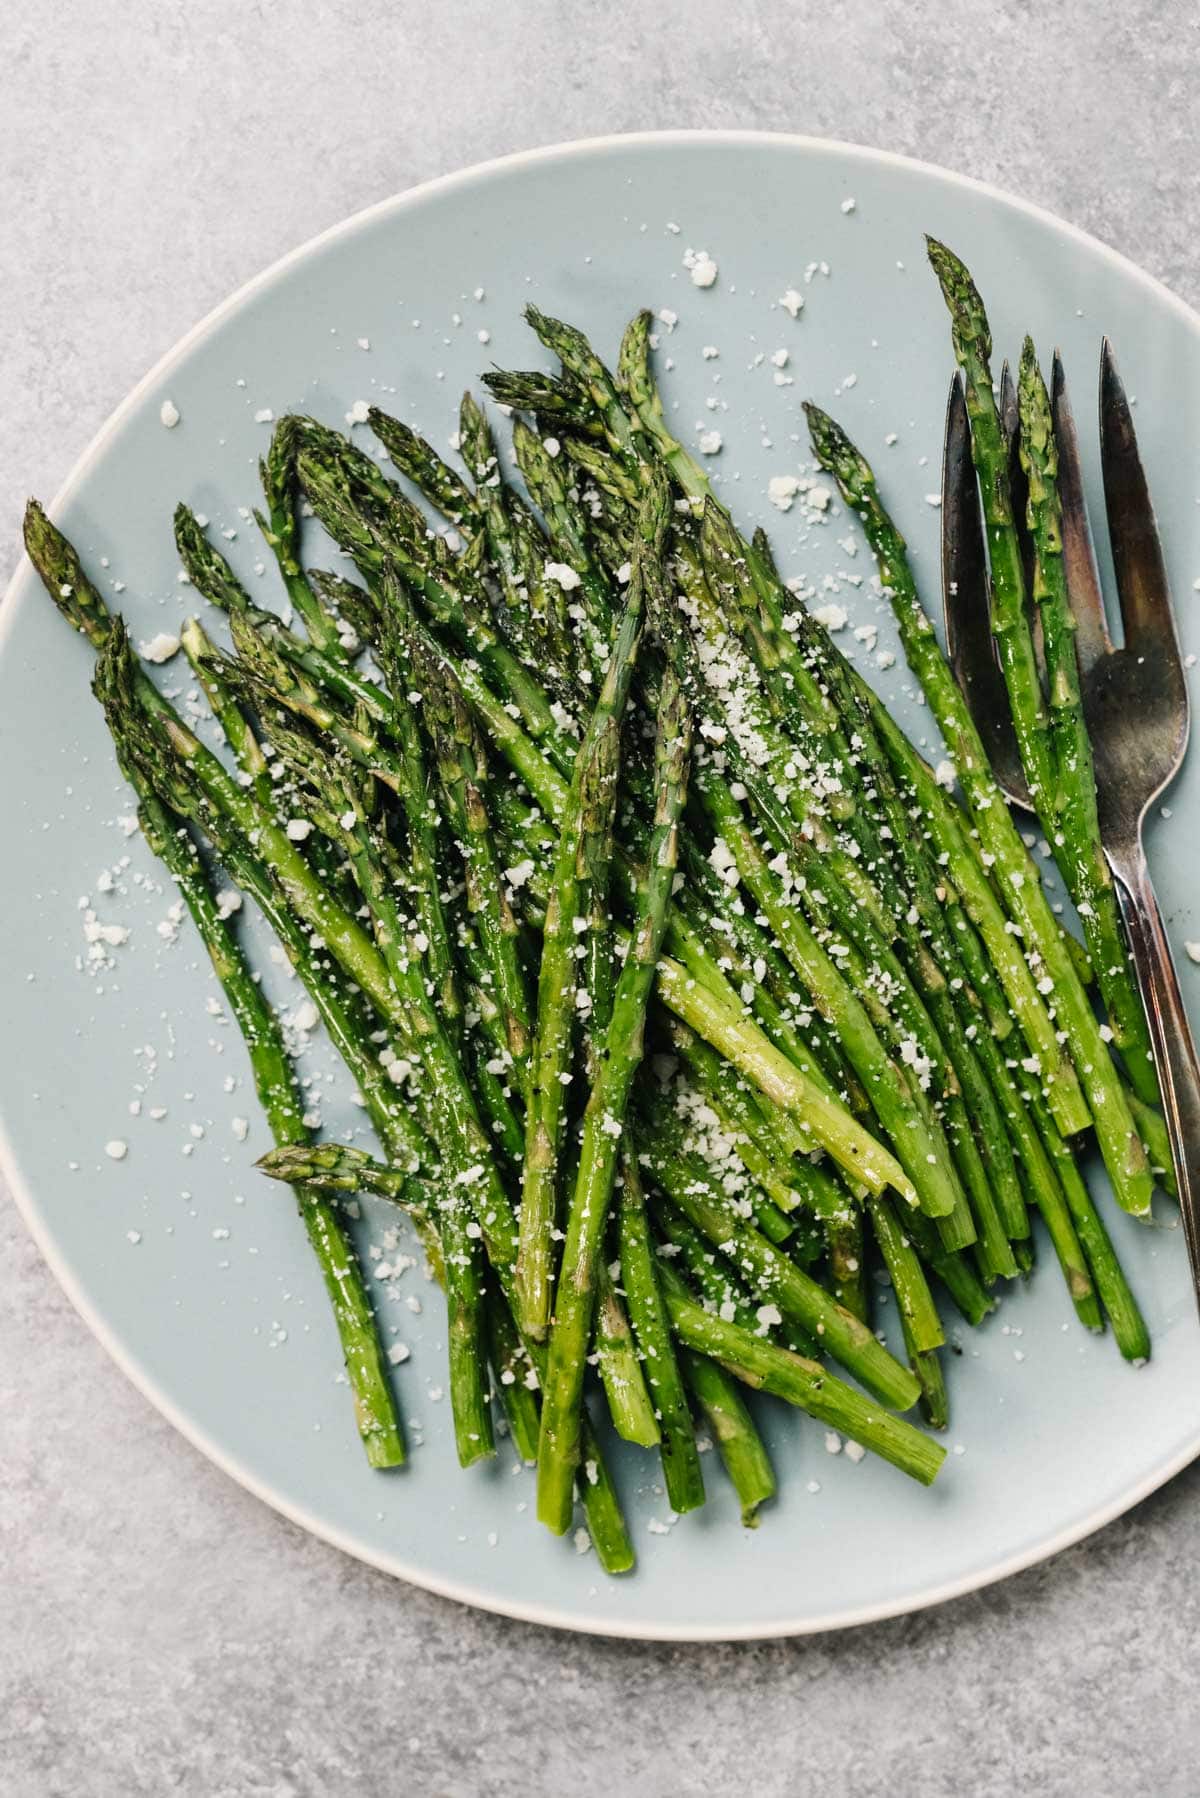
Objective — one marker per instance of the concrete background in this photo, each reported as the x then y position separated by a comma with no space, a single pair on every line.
160,1631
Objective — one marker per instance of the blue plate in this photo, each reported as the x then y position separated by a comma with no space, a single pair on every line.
190,1268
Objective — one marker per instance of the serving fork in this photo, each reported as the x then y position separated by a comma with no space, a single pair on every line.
1135,698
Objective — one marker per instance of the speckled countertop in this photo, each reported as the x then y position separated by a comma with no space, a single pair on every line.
161,1631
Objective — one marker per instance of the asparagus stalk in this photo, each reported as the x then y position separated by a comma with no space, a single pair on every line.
1107,1275
344,1169
281,529
783,1286
1120,1144
462,771
766,1367
512,1370
398,644
919,1147
1010,619
629,1402
586,817
380,536
279,1094
739,1444
533,614
1068,810
427,471
912,1292
604,1123
680,1459
567,530
845,1246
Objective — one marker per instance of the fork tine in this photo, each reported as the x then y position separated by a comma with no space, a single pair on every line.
966,599
1092,640
1010,415
1136,551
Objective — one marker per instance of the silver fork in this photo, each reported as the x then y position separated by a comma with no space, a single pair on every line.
1135,699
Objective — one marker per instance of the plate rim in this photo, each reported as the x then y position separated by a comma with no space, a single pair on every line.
463,1592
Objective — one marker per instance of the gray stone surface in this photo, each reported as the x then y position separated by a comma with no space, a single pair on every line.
160,1631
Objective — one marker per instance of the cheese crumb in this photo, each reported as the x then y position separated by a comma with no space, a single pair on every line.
703,268
168,414
564,574
160,648
116,1150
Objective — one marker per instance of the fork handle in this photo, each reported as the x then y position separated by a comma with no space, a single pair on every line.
1171,1036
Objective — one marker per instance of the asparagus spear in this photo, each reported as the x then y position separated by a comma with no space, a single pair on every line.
1068,810
342,1169
1010,619
566,528
281,529
462,771
920,1149
739,1444
586,817
774,1278
629,1402
922,1327
512,1368
763,1365
279,1094
385,616
426,469
534,612
604,1123
1120,1144
845,1246
1106,1273
380,536
680,1459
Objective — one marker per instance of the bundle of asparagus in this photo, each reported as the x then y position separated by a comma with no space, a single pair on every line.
677,989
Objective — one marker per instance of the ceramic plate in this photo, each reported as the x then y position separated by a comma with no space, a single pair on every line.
191,1269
